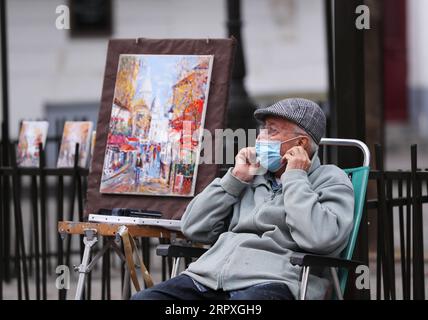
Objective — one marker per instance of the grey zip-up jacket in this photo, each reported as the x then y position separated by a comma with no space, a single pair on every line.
255,230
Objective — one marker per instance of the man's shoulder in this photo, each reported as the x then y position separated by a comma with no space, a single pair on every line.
330,174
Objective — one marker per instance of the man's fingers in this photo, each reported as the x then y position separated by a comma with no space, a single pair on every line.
296,150
291,151
299,152
246,156
257,169
251,155
241,157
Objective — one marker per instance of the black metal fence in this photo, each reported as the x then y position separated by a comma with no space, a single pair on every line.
45,195
30,250
399,207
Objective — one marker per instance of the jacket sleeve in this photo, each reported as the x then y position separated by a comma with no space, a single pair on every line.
319,221
208,214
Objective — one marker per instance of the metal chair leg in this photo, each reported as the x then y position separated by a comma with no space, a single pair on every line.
304,283
336,283
175,266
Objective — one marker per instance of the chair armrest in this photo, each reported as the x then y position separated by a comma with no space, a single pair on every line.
173,251
312,260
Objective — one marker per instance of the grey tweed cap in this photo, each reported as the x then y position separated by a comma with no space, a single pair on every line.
305,113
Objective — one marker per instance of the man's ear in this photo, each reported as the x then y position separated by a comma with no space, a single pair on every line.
303,142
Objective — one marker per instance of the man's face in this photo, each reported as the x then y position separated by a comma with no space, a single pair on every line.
279,129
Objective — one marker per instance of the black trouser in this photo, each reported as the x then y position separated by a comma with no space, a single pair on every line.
183,287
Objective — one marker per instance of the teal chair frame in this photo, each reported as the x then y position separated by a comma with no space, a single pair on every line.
359,177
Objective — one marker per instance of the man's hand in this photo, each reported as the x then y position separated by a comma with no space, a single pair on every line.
297,158
246,164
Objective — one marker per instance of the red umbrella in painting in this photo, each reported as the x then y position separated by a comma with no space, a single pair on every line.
127,147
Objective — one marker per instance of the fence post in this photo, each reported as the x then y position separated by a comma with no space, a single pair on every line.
71,211
390,234
383,245
42,165
2,177
6,209
35,204
20,255
62,293
418,243
404,270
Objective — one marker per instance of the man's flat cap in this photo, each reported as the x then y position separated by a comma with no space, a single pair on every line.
305,113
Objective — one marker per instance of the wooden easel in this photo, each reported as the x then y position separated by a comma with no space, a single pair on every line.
223,50
116,233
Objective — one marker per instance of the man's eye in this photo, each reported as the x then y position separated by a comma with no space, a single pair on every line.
269,131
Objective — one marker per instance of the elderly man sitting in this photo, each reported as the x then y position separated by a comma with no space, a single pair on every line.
256,221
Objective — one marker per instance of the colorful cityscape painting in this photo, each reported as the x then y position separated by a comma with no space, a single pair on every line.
31,134
75,132
156,124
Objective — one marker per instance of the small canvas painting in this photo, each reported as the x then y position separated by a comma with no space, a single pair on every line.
75,132
31,134
156,124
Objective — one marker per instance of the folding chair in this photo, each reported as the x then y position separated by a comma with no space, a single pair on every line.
359,177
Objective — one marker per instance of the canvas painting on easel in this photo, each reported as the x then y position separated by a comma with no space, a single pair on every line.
155,129
31,134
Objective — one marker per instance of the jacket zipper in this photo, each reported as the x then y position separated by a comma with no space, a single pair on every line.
275,193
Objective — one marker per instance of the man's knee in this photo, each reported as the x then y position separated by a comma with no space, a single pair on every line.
173,288
142,295
263,291
150,294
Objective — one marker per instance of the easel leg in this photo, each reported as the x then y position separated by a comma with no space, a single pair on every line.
126,285
89,240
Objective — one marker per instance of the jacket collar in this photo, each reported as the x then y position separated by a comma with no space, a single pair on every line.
315,163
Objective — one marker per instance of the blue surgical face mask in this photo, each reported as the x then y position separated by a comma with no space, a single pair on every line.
269,154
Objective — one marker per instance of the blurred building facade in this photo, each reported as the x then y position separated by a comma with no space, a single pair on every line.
284,45
417,31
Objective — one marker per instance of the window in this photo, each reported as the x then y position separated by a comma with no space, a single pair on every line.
90,18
